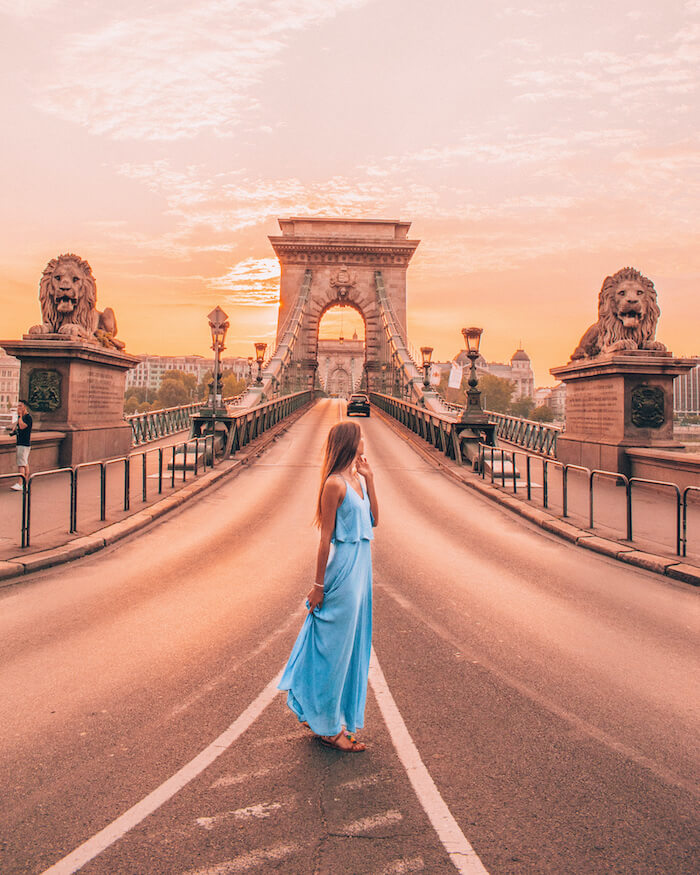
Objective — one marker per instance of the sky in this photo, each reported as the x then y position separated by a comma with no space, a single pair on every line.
536,147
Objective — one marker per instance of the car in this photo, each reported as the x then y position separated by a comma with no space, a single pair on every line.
358,404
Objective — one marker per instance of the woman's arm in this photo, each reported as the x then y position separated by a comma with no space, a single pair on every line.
362,466
331,497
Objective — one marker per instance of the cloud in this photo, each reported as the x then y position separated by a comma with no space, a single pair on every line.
253,282
174,72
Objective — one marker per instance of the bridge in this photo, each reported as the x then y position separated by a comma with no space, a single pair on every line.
531,704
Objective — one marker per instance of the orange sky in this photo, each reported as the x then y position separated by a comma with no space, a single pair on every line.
535,147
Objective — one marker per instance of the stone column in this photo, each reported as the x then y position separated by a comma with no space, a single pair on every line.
75,387
615,401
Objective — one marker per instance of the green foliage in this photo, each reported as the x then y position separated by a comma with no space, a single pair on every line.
232,385
544,413
172,393
131,405
189,381
522,408
496,393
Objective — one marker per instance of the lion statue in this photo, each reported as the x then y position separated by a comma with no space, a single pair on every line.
627,316
67,294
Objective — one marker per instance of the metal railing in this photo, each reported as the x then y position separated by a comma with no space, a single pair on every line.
488,455
438,430
539,437
152,425
195,455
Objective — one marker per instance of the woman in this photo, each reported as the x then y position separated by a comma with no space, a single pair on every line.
326,675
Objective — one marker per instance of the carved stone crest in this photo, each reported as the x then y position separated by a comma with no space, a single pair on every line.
343,281
648,406
44,390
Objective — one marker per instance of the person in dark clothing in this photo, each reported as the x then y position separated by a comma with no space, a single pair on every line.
23,430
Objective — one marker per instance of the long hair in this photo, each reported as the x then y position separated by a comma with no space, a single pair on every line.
341,447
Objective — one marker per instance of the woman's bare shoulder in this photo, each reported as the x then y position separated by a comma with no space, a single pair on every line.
334,485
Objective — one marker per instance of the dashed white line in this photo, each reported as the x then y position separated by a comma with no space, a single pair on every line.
453,839
359,783
461,853
247,861
262,809
399,867
367,823
119,827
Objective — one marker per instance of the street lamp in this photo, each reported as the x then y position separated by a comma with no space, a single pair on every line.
427,353
218,324
259,358
472,339
250,369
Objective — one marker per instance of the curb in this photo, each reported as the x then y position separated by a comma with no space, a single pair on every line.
13,569
676,569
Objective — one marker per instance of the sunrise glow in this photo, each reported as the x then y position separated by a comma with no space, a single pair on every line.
535,148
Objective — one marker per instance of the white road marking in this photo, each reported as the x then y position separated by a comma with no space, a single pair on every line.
231,780
366,823
398,867
359,783
247,861
119,827
461,853
262,809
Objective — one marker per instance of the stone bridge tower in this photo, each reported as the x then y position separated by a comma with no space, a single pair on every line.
343,256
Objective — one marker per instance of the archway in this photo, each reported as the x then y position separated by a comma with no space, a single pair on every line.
340,350
339,261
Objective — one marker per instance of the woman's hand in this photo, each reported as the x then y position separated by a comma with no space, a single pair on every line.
315,597
362,467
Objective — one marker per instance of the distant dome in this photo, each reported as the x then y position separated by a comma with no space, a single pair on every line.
520,356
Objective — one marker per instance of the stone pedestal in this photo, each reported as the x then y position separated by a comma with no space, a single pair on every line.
77,388
617,401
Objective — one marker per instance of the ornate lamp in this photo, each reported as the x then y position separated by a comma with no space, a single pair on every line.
218,325
472,408
259,358
427,354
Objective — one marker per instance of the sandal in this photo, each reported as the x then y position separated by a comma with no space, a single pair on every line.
349,743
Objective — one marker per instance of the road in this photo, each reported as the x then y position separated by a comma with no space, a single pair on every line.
550,693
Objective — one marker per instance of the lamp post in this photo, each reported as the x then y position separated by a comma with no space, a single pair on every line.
472,408
259,358
218,324
250,369
427,354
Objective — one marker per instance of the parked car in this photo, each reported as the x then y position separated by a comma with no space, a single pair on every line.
358,404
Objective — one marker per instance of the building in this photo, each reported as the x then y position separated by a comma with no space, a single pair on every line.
9,382
686,392
148,373
554,397
340,365
519,371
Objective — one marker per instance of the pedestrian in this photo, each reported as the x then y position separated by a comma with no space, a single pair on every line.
23,429
326,676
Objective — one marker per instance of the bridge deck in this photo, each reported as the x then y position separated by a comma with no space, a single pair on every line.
547,690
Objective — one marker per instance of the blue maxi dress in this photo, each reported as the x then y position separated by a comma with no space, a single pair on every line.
326,676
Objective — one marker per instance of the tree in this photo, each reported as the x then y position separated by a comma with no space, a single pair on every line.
232,385
523,408
544,413
172,393
131,405
189,381
496,392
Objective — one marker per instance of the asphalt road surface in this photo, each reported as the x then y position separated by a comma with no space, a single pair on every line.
548,694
